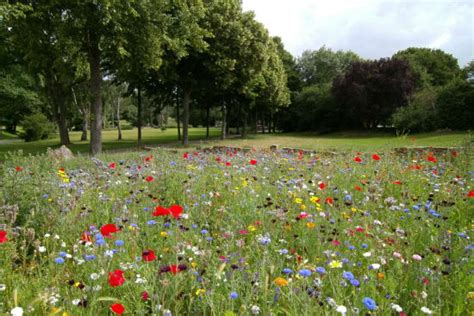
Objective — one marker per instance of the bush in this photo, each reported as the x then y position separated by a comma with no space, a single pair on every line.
420,115
36,126
455,106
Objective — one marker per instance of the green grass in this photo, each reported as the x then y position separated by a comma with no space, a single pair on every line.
336,141
7,136
150,136
349,140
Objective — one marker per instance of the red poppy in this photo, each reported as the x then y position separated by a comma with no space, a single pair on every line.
116,278
358,188
227,164
454,153
161,211
253,162
329,200
303,215
176,211
218,159
148,158
117,308
149,179
3,236
243,232
145,296
397,182
112,165
185,155
18,168
108,229
470,194
432,158
426,281
174,269
375,157
148,255
322,185
357,159
336,242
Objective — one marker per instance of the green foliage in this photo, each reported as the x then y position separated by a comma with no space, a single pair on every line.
323,65
431,67
455,105
420,115
314,110
35,127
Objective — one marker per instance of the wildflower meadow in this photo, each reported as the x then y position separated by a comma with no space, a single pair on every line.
233,232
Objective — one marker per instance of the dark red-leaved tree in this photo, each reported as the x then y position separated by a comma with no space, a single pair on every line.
370,91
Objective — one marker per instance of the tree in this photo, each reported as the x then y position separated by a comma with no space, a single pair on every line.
323,65
455,105
469,72
370,91
430,66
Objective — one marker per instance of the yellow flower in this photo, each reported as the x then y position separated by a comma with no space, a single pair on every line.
314,199
163,234
280,282
200,292
298,200
310,225
251,228
193,264
335,264
302,207
244,183
470,295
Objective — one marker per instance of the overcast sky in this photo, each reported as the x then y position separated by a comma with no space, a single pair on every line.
370,28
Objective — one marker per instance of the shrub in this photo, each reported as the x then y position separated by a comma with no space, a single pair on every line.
420,115
455,106
36,126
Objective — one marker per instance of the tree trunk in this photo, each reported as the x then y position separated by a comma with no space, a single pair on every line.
61,118
186,102
256,120
119,127
177,114
263,123
139,116
244,125
96,104
207,121
224,117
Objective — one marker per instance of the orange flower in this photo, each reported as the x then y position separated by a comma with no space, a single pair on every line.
280,282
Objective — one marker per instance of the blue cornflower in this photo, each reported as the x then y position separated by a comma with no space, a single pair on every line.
151,222
62,254
369,303
89,257
347,275
283,251
166,224
233,295
320,270
119,243
355,282
59,260
305,272
364,246
204,231
100,242
352,247
287,271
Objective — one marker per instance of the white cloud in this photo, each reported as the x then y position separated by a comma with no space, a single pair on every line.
371,28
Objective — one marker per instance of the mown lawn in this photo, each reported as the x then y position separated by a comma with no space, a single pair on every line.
336,141
151,136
